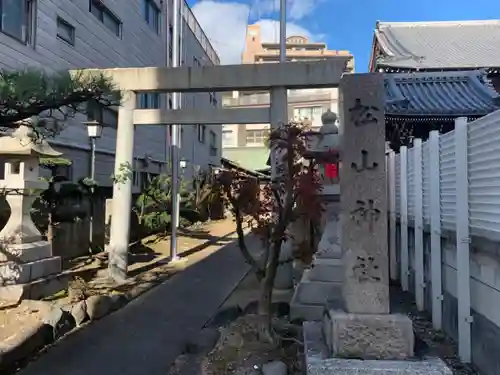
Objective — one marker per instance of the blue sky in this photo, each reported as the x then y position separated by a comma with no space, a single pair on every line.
342,24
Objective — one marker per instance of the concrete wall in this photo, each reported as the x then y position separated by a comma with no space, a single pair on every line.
485,294
97,47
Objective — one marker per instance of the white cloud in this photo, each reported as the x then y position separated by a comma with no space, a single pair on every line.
225,24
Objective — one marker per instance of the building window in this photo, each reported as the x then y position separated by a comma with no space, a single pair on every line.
107,116
307,113
202,130
257,137
213,143
65,31
152,14
227,137
17,19
148,100
107,18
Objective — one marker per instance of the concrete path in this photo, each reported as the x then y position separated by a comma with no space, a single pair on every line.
146,336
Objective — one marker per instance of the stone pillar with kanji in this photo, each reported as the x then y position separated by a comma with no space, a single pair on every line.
361,325
25,257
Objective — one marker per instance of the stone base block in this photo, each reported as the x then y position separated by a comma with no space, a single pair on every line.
317,292
374,367
383,337
327,270
332,251
26,252
302,312
15,273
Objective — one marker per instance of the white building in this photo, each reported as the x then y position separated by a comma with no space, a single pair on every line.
60,35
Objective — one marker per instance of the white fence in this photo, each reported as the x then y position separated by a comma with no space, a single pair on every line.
446,186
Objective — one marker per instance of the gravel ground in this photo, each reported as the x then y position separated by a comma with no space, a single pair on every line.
429,341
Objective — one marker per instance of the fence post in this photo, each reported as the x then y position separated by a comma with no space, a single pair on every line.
403,154
435,212
463,240
418,225
392,215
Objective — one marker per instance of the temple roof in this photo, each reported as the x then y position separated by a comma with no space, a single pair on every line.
440,94
439,45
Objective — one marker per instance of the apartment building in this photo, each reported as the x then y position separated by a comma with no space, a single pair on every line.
56,35
244,144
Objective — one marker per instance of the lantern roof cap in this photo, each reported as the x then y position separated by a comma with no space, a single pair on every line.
24,141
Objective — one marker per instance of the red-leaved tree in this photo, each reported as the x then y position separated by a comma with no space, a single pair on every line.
270,207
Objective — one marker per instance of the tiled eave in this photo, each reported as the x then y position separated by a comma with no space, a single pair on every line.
393,68
424,119
440,95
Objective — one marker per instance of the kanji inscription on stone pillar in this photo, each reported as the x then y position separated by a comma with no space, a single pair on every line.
363,198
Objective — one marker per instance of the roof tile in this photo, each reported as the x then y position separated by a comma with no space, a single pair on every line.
426,45
454,94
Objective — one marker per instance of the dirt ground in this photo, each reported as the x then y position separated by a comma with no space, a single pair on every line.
239,349
148,266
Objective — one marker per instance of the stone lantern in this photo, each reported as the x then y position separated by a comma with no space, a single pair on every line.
25,256
323,280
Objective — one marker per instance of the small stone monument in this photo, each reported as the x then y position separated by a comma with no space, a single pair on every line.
323,280
359,335
24,255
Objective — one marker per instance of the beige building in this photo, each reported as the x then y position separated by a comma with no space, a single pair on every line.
245,144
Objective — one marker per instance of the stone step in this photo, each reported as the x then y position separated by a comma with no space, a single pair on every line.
300,311
26,252
22,273
316,292
434,366
334,251
328,262
326,273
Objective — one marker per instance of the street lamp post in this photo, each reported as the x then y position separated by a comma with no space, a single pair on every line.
94,131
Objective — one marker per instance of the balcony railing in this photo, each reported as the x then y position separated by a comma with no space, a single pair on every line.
195,27
264,99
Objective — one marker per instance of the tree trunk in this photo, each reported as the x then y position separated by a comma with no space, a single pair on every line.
50,229
266,291
244,249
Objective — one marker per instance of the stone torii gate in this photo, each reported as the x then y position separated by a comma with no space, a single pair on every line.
358,324
276,78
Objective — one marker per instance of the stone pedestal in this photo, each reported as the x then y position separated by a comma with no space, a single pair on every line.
319,361
25,256
357,367
322,282
368,336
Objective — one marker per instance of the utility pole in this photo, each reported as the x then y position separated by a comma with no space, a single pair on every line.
174,139
279,100
282,30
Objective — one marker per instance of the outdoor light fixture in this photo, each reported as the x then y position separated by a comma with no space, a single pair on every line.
183,163
94,129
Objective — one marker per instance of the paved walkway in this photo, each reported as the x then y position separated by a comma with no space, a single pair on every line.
146,336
